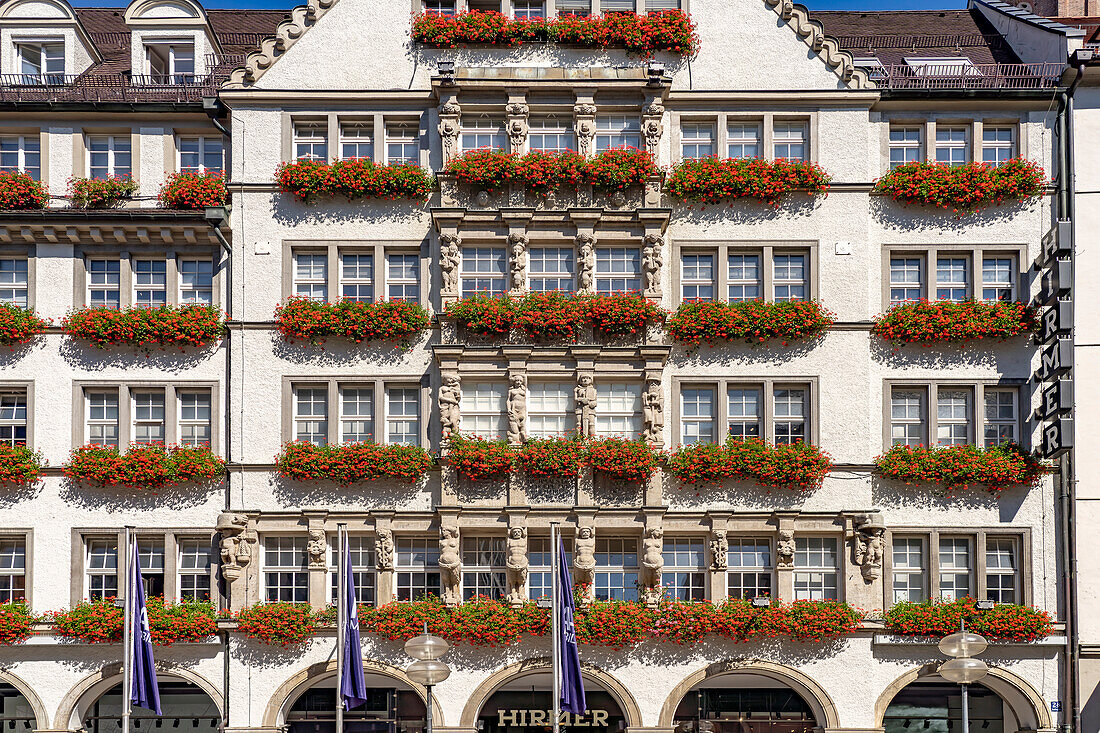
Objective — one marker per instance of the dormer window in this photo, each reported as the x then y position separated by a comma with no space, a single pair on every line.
41,63
170,63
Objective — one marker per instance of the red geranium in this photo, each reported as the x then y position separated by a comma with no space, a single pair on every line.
752,321
967,187
181,326
193,191
144,465
958,467
16,623
622,459
551,457
101,193
396,321
352,463
792,466
479,459
1003,622
929,322
100,621
279,623
21,192
713,180
353,179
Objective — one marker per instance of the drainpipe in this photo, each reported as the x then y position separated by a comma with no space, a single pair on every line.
216,217
213,108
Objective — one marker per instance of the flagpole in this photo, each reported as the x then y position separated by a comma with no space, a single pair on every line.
341,622
127,632
555,615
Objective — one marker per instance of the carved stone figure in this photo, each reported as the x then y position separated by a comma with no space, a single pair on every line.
236,549
315,548
450,563
719,546
516,109
516,563
653,411
584,555
868,545
653,109
584,404
583,109
449,129
652,563
586,263
450,395
450,108
518,243
586,133
652,260
784,547
652,129
449,259
517,408
517,132
384,549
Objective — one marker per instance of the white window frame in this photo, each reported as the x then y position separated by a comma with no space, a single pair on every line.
929,419
310,141
118,146
814,579
738,547
357,133
27,150
611,576
363,567
681,578
613,417
345,418
617,131
540,398
90,422
14,412
140,420
206,145
484,402
303,420
184,568
298,572
405,548
15,280
910,150
483,567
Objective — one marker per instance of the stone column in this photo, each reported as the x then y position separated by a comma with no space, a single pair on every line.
784,557
384,553
450,259
450,124
653,125
584,558
652,560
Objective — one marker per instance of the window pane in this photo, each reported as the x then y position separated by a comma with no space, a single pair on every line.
744,277
697,415
697,277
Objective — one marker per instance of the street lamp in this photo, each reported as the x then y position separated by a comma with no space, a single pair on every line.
963,669
427,670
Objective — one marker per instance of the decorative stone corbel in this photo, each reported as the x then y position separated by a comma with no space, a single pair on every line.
784,548
584,123
450,397
450,563
868,544
517,244
517,112
586,262
516,563
315,548
517,407
584,560
237,547
652,563
652,260
450,257
383,550
450,126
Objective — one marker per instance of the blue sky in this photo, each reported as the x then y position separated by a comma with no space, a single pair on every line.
812,4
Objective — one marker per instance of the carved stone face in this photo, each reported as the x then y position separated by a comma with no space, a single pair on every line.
585,380
450,380
518,380
516,533
584,533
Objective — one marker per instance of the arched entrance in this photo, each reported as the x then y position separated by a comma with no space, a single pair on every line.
744,702
186,709
392,707
524,704
16,711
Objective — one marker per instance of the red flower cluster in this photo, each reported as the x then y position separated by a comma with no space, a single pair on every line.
795,466
101,621
480,622
193,191
957,467
19,325
1003,622
21,192
626,314
752,321
397,321
478,459
551,457
279,624
352,463
553,317
19,465
929,322
144,465
100,193
666,30
353,179
181,326
15,623
713,180
622,459
968,187
543,172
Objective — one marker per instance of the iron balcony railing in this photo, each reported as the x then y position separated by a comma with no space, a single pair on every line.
967,76
108,87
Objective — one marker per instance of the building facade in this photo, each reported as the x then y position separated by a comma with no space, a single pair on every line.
343,79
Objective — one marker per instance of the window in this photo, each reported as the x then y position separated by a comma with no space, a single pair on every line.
356,414
13,569
201,154
310,141
483,133
483,572
573,7
439,7
528,9
13,417
616,576
194,569
108,156
749,568
151,556
101,563
102,426
789,276
196,281
104,289
357,277
952,278
550,409
357,141
311,276
617,131
696,139
483,409
906,276
956,422
403,141
21,154
905,145
551,269
744,412
363,566
955,568
194,412
150,283
311,415
907,413
790,415
1000,570
539,568
41,63
1000,416
550,133
617,6
952,145
13,281
652,6
684,574
484,270
998,278
170,63
403,277
998,144
744,277
953,413
148,413
618,270
743,140
697,415
403,415
618,409
417,568
286,577
815,569
789,141
907,560
697,276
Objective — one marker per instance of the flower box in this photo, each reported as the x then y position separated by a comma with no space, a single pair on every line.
553,317
16,623
544,172
98,622
313,321
145,465
808,620
310,180
19,325
714,180
618,316
944,321
478,459
181,326
352,463
621,459
21,192
551,457
101,193
483,316
753,321
667,30
959,467
19,465
961,188
1005,622
794,466
193,191
278,624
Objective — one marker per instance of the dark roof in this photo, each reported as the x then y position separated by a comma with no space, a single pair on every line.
1090,24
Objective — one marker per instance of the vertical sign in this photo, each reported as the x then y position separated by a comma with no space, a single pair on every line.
1053,378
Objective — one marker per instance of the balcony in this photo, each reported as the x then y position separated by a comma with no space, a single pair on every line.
966,76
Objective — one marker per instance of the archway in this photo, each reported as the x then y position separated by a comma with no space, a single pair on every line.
16,710
82,698
185,708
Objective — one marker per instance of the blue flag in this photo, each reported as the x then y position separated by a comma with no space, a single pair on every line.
353,688
143,675
572,686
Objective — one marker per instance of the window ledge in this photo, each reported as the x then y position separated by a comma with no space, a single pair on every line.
1058,640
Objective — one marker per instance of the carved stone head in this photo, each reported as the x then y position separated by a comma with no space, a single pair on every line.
585,379
517,533
585,533
517,380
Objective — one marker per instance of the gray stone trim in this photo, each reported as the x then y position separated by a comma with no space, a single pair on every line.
125,418
977,416
378,248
